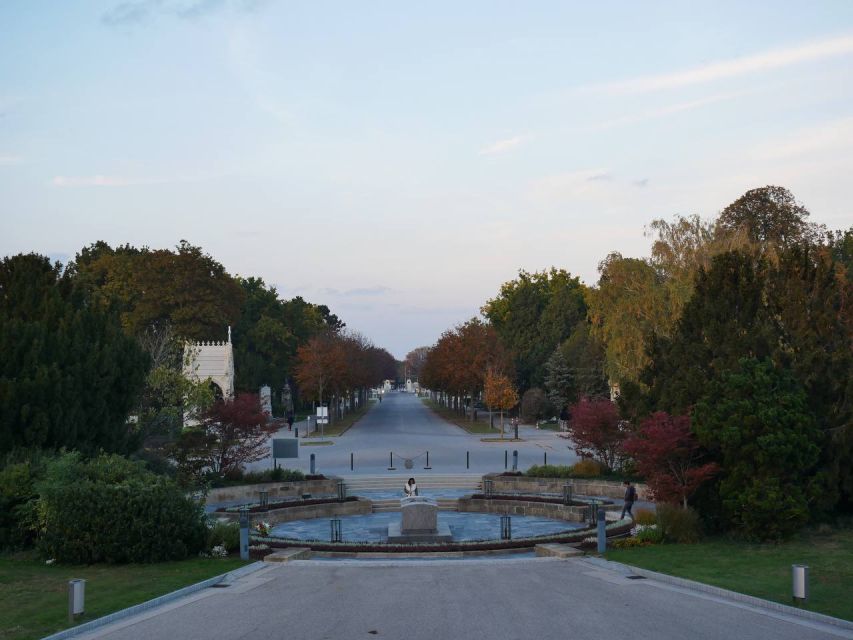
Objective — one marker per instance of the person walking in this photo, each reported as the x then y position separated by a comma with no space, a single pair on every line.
630,497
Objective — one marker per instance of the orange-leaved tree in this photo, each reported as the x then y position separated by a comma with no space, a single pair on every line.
499,393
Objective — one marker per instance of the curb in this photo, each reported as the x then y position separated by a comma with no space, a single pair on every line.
155,602
725,593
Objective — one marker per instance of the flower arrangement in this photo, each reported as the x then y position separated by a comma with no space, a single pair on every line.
263,528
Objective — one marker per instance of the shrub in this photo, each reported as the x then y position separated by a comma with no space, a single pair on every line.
549,471
535,404
651,534
255,477
588,468
110,509
629,543
645,517
224,534
17,496
677,524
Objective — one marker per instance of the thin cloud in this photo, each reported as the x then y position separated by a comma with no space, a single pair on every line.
668,110
10,160
98,181
834,135
766,61
133,12
378,290
501,146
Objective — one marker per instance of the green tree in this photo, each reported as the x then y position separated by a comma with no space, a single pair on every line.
630,304
69,375
770,218
755,420
186,287
532,315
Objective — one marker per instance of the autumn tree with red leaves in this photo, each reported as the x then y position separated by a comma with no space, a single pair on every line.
499,393
597,431
669,456
232,433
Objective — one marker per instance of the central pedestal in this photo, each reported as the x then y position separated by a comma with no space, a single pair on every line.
418,522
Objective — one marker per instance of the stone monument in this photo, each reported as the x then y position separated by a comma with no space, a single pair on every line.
266,400
418,522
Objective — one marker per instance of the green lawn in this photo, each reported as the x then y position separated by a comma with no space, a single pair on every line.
338,427
34,596
475,426
762,570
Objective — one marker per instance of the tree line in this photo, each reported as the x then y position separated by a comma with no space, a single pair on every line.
102,338
727,351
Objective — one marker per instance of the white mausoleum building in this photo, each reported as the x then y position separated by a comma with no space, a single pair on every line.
213,361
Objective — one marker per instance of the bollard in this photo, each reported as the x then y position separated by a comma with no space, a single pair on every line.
335,534
506,528
264,498
467,459
515,425
296,432
342,491
567,493
515,460
350,461
593,511
506,459
799,583
602,534
244,533
76,598
545,453
391,465
313,463
427,462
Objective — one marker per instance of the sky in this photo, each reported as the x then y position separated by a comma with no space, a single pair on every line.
398,161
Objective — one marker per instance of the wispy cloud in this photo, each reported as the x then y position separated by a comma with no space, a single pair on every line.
6,159
102,181
377,290
766,61
502,146
668,110
824,138
133,12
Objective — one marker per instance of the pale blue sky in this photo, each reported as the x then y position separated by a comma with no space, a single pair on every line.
398,161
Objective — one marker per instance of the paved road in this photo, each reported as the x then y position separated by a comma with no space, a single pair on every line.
474,600
404,425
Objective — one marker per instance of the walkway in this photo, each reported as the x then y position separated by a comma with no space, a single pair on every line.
476,600
402,424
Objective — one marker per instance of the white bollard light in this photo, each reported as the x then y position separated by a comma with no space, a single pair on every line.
76,597
800,583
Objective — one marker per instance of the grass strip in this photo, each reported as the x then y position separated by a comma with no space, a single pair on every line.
761,570
34,596
449,415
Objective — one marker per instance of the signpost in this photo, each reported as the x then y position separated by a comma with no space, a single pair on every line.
322,418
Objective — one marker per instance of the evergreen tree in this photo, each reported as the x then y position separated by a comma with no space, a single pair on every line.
69,375
756,422
558,381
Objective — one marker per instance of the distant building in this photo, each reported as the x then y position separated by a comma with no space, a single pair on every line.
212,361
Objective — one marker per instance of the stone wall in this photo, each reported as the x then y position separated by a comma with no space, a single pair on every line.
277,490
524,508
306,512
580,486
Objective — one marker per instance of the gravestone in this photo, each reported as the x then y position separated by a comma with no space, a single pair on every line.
418,522
266,400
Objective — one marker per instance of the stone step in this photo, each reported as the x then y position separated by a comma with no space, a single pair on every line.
289,554
553,550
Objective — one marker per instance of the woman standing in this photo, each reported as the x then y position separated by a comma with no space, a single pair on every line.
410,488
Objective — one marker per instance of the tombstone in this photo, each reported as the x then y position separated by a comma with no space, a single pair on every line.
418,522
266,400
287,398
